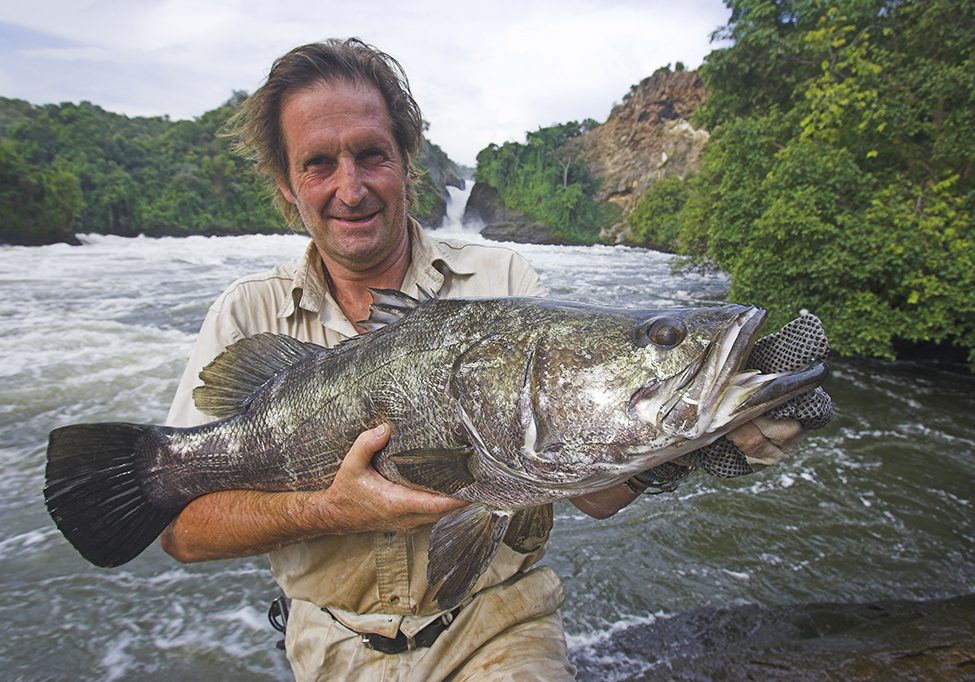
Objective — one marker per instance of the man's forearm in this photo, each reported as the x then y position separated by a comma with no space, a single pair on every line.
236,523
605,503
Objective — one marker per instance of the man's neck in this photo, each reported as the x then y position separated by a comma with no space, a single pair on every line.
350,288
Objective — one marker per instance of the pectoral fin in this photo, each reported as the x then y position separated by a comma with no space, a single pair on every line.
529,529
443,471
462,545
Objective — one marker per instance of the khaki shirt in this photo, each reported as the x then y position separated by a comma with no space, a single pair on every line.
371,582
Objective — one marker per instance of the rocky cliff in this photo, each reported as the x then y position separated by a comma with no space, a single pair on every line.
504,224
646,138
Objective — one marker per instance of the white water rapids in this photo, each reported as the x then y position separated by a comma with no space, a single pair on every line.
879,505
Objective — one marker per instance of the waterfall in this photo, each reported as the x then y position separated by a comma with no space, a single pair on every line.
453,222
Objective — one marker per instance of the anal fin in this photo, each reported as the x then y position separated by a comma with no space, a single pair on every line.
462,545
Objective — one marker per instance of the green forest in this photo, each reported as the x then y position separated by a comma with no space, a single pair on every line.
840,172
76,168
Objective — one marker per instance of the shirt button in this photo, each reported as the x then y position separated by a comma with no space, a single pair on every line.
394,599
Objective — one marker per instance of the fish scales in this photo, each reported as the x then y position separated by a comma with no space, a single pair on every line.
507,403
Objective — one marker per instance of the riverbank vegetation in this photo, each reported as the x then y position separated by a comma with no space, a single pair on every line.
840,173
75,168
546,182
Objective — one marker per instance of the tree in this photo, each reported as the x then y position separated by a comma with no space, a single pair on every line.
37,204
655,220
840,175
544,179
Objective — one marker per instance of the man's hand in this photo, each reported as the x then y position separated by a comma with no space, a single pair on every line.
773,437
235,523
360,499
765,441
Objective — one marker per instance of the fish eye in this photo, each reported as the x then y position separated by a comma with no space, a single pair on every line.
666,332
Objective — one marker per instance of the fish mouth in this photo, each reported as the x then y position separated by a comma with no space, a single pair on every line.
715,394
765,391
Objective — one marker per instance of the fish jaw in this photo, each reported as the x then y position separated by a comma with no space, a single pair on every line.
691,416
712,396
753,393
682,407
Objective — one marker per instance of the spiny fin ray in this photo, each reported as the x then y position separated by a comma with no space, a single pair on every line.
390,306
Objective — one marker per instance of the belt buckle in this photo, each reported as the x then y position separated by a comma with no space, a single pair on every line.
386,645
402,642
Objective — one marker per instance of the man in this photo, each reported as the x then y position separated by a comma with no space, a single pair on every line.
334,127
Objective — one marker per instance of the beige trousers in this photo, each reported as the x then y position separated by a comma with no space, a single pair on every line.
511,632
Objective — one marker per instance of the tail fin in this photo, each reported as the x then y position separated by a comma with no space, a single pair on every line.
93,492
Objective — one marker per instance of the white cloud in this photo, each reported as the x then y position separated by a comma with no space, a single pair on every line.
482,72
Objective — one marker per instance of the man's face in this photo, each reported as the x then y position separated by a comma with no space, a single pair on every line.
346,174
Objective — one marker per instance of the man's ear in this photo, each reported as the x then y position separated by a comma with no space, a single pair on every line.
286,191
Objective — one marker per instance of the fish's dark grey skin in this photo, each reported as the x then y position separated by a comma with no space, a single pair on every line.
509,403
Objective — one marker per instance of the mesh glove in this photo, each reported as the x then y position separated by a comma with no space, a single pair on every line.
798,344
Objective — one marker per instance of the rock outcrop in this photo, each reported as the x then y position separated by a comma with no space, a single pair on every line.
645,139
502,223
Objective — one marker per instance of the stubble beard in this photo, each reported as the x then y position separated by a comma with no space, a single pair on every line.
345,250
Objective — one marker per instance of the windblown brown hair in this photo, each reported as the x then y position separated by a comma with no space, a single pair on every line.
256,126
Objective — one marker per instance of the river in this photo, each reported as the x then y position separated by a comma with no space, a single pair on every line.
854,558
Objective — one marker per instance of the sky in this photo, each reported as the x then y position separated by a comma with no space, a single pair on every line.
483,71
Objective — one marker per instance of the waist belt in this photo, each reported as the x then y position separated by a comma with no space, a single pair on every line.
400,643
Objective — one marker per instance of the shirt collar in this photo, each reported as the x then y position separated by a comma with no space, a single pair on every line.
430,262
308,290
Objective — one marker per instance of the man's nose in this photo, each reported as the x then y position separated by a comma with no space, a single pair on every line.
350,189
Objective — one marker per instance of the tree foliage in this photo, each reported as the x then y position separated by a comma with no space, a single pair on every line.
73,168
655,220
543,179
37,204
840,174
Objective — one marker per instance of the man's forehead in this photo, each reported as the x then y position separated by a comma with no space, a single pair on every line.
335,91
337,106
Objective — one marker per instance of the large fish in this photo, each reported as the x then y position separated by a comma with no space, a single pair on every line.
509,403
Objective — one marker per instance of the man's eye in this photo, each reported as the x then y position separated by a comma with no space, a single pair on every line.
317,163
372,156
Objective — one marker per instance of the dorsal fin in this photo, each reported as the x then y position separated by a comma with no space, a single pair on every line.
389,306
236,374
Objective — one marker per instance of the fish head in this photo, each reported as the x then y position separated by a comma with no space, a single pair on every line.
644,387
694,361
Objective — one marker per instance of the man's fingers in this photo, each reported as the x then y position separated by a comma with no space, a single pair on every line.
779,431
432,505
367,444
367,501
766,441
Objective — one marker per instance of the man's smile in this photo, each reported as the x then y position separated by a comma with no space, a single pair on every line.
356,219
